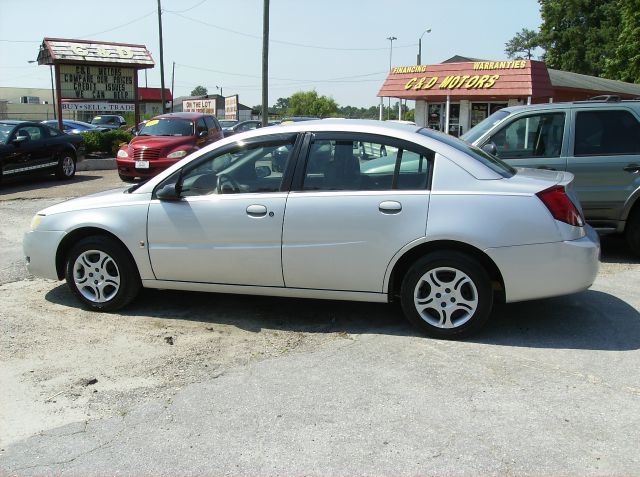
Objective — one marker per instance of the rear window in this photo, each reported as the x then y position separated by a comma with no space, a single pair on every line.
492,162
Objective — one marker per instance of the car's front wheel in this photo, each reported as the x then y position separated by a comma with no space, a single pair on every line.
101,273
447,295
66,167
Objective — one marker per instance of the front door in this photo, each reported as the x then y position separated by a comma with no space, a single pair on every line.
533,140
227,228
360,200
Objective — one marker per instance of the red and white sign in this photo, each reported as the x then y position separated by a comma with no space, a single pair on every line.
231,107
199,106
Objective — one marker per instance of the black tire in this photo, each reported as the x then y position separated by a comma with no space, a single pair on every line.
632,230
105,259
126,178
66,167
461,305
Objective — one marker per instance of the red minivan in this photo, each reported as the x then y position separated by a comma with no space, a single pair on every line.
163,141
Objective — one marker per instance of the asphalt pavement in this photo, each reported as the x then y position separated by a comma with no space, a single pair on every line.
551,387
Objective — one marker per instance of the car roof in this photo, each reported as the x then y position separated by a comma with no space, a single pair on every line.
571,104
182,115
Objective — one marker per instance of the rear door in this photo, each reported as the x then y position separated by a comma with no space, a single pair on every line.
535,140
605,158
350,213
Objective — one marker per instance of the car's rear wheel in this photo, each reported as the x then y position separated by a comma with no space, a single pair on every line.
66,167
632,231
101,273
447,295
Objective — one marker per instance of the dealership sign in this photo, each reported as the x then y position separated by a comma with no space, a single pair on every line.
98,107
97,82
199,106
231,107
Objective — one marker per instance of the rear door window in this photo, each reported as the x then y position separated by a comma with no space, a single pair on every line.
603,133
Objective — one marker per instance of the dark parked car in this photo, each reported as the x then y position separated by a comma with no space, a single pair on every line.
163,141
75,127
243,126
28,147
109,121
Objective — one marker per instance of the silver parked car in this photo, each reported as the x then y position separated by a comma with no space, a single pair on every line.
348,210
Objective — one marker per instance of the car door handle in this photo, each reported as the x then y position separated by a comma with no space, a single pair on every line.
547,168
634,168
256,210
390,207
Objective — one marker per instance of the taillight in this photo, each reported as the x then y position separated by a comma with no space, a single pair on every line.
560,206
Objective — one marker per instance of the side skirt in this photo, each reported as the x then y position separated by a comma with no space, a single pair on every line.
268,291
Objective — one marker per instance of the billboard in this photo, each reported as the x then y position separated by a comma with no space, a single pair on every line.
96,82
231,107
199,106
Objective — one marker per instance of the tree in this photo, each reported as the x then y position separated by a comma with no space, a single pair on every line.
199,91
282,104
624,65
524,42
310,104
579,35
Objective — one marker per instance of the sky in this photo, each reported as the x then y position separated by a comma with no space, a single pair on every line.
337,47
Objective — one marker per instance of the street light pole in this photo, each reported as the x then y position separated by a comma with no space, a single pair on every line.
390,38
428,30
164,104
53,90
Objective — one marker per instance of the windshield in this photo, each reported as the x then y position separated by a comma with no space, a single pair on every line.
473,134
492,162
168,127
227,123
105,120
5,129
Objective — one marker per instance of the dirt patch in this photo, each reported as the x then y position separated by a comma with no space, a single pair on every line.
63,364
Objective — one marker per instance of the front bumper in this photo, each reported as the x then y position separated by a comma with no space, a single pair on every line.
40,250
127,167
548,269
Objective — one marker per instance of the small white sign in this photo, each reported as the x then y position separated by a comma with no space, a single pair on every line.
99,107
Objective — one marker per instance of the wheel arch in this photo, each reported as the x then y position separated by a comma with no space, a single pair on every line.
78,234
408,257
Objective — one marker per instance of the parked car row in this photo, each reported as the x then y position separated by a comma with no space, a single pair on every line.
597,141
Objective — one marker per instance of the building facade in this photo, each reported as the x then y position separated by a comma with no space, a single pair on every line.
457,94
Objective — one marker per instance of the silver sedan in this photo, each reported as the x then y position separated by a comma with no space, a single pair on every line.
346,210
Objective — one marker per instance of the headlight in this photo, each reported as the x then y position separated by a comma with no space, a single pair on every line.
177,154
122,153
35,222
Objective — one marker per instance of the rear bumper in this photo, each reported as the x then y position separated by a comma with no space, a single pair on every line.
548,269
127,167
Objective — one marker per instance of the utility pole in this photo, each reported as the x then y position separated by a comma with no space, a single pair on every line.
265,64
390,38
162,98
173,78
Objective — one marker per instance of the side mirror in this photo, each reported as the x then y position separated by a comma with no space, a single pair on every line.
169,192
20,139
263,171
490,148
203,133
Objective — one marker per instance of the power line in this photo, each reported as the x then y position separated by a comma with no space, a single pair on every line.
185,10
326,80
289,43
83,37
